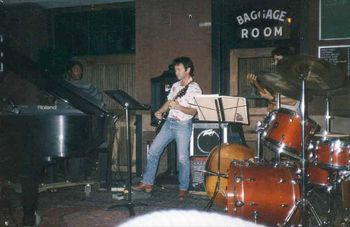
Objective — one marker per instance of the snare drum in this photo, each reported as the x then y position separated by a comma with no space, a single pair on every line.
332,151
283,132
264,193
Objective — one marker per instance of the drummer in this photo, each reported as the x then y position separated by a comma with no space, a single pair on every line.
288,103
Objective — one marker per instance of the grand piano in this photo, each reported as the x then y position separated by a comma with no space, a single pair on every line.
31,135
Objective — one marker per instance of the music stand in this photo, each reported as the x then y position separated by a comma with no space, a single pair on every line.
221,109
128,103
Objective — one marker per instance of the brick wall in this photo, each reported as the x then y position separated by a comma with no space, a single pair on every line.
166,29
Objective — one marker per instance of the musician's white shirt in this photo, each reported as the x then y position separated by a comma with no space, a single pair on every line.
295,107
192,91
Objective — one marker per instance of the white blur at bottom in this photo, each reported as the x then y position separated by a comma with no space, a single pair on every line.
188,218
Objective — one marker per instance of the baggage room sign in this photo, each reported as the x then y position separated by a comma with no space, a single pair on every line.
264,24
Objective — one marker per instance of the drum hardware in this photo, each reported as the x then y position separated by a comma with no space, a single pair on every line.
303,202
255,215
238,179
244,202
251,179
331,151
229,152
282,133
251,204
239,203
328,117
259,149
282,181
213,173
318,75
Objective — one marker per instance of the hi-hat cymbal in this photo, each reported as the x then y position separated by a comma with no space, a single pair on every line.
277,83
319,74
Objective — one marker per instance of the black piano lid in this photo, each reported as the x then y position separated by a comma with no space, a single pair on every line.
61,89
122,98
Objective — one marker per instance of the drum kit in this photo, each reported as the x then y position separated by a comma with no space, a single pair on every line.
279,193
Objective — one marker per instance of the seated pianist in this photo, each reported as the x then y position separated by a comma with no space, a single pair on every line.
74,76
79,167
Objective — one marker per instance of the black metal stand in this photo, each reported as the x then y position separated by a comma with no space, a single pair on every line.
128,103
303,203
221,118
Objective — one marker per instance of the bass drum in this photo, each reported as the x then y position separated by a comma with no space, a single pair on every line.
263,192
228,153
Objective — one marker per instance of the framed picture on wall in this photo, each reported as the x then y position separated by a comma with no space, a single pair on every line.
334,19
337,55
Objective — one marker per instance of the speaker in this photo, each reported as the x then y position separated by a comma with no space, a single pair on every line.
197,172
205,136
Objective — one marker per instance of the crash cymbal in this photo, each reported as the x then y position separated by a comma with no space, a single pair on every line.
277,83
343,90
320,74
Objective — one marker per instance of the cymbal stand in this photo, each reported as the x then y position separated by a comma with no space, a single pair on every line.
303,203
278,154
259,147
278,100
328,117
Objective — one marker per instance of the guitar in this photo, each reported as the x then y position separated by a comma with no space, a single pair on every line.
180,94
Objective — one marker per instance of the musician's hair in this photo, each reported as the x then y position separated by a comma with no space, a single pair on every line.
282,50
187,63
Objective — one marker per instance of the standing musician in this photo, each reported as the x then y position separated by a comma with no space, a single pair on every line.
178,126
286,102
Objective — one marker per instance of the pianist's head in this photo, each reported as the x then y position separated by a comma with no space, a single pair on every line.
75,70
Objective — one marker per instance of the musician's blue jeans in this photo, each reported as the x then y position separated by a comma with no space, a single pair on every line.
181,132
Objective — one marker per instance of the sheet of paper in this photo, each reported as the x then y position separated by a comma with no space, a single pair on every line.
235,108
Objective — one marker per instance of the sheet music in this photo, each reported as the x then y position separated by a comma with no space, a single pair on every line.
235,108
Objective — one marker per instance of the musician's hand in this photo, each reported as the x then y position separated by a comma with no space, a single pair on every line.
174,105
266,94
251,78
158,115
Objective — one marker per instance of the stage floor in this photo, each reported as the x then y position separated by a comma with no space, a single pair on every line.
71,207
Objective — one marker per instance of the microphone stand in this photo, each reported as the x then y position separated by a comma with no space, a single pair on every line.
127,102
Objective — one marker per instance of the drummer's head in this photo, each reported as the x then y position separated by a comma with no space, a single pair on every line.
279,53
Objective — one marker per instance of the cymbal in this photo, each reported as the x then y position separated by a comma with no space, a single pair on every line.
320,74
277,83
344,90
332,135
